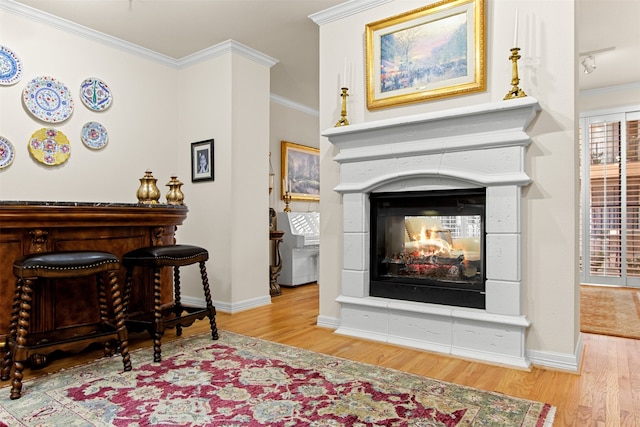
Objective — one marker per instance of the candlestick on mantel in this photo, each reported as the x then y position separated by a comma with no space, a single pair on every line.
343,115
515,91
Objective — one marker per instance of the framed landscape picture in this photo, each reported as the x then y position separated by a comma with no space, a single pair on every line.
300,167
433,52
202,161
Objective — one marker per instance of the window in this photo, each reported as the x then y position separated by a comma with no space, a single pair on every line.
610,179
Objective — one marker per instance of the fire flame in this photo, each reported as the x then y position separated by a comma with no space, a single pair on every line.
430,244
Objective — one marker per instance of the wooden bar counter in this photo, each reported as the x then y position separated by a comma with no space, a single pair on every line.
33,227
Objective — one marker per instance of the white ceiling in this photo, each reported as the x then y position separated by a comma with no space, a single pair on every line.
281,29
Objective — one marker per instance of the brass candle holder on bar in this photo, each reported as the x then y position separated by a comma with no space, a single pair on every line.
343,115
287,200
515,91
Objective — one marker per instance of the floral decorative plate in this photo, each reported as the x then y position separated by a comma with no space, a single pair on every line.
7,153
10,67
50,146
94,135
48,99
95,94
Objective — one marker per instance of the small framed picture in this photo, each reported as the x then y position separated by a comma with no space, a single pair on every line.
202,161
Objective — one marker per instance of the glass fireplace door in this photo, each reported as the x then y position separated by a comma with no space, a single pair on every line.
429,246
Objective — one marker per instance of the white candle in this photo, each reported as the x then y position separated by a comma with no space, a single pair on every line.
515,31
344,74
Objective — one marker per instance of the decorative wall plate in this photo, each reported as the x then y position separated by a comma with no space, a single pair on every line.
10,67
49,146
48,99
95,94
7,153
94,135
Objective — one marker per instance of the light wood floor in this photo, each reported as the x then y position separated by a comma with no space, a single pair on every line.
606,393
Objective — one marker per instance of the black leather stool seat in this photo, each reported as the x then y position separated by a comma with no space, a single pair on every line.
179,315
21,345
161,256
65,264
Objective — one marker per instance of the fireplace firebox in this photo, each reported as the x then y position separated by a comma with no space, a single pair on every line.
428,246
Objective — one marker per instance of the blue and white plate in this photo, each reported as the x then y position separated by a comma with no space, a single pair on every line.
48,99
10,67
94,135
95,94
7,152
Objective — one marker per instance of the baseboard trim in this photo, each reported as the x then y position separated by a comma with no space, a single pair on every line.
226,307
328,322
561,361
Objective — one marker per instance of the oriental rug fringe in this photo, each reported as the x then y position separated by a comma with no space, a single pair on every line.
243,381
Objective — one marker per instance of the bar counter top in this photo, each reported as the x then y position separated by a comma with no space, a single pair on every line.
16,214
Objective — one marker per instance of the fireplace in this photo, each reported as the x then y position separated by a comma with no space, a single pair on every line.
479,149
429,246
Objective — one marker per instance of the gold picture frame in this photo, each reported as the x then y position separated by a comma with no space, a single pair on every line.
433,52
300,168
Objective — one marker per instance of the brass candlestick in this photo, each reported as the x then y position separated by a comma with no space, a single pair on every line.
343,115
287,200
515,91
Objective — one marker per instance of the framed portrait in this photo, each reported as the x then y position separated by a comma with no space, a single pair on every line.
300,171
428,53
202,160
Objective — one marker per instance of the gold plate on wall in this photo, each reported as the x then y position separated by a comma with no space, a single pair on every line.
49,146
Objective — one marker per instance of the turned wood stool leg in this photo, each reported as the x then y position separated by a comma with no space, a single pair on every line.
127,290
13,329
157,313
20,351
177,307
104,316
123,335
211,310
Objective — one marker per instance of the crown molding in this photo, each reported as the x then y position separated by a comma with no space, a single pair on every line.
610,89
342,10
229,46
88,33
226,47
294,105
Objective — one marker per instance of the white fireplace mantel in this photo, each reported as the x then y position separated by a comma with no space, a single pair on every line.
476,146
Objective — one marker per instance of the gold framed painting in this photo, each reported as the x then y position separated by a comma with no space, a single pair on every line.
433,52
300,167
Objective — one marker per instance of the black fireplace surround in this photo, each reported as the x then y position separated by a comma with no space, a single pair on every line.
429,246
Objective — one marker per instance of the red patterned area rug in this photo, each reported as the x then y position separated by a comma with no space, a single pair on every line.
243,381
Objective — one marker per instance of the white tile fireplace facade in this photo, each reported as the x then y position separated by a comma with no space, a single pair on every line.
478,146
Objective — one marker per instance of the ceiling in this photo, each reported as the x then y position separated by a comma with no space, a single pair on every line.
281,29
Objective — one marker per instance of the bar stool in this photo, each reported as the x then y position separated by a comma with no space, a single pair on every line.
157,257
21,343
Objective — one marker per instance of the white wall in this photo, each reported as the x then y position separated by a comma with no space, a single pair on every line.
550,204
141,119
